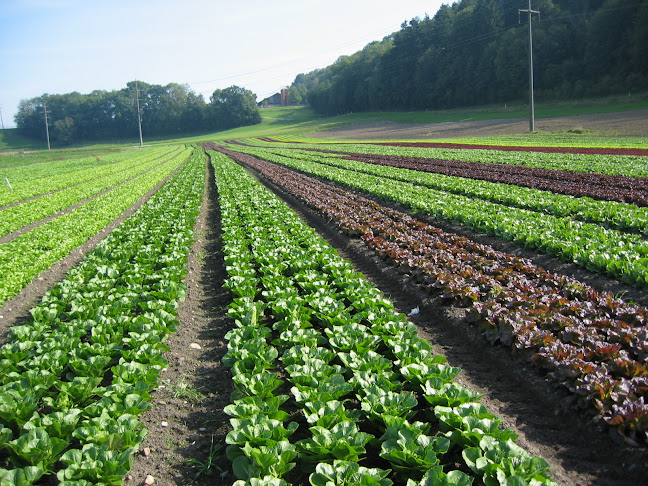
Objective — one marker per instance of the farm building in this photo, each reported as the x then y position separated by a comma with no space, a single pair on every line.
278,99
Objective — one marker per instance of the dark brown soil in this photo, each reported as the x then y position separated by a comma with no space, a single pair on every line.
624,123
195,386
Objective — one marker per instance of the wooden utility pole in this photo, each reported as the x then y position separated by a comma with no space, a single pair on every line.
46,126
531,102
139,118
1,120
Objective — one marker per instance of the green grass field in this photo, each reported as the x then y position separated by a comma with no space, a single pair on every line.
297,122
11,141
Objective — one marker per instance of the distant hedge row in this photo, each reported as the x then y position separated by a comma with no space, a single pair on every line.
173,109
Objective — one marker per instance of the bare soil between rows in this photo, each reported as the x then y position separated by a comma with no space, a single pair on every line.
187,426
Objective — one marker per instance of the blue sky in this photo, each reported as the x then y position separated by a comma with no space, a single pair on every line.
61,46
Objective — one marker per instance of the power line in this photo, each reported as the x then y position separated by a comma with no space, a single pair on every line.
505,5
292,61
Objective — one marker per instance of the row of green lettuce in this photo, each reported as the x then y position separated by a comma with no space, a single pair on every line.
328,375
608,214
539,139
627,165
76,191
592,246
74,379
52,174
25,257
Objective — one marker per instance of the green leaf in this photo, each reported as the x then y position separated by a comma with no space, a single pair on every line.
501,461
78,391
95,463
92,366
378,403
37,448
274,460
24,476
343,441
265,481
328,414
385,380
5,435
421,372
249,406
16,410
57,424
43,314
258,430
242,467
448,394
260,384
471,455
342,473
312,372
334,388
409,449
117,434
436,477
116,404
251,364
300,354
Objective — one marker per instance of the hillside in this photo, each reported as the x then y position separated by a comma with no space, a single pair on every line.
622,123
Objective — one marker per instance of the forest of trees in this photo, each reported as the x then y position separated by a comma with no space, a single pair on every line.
476,52
173,109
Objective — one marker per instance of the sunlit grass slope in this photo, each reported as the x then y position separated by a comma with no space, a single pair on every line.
297,123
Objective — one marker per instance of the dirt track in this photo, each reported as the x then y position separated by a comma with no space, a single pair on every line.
624,123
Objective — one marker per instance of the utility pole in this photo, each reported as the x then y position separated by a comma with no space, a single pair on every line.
1,120
139,118
46,126
531,102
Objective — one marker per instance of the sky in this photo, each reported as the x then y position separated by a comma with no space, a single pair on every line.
63,46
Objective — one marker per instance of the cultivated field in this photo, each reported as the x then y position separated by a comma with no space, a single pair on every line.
288,310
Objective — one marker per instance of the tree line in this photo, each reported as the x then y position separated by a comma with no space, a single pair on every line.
476,52
173,109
